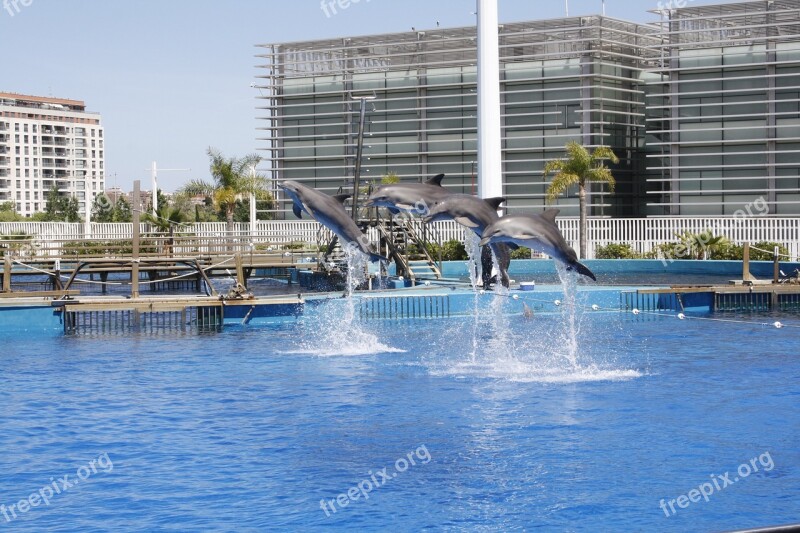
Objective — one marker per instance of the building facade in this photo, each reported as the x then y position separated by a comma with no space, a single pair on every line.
48,143
701,108
724,109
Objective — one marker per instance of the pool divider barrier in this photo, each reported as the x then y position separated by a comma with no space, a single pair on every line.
408,307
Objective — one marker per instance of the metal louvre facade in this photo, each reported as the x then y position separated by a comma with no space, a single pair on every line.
576,78
723,109
702,109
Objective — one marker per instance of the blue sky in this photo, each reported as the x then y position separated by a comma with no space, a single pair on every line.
172,77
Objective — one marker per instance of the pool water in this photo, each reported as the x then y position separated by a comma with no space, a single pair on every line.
494,423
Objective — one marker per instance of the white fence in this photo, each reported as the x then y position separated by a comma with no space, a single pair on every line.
643,234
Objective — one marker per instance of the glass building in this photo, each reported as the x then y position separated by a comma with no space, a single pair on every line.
723,124
701,108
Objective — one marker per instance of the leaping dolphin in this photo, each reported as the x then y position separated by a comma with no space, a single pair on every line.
330,212
416,198
538,232
476,214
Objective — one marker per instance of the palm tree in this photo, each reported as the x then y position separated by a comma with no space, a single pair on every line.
578,168
165,221
233,179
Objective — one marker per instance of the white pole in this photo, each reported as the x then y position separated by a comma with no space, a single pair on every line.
604,8
154,177
253,211
566,7
490,176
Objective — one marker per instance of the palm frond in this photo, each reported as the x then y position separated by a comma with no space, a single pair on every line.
602,175
196,188
605,153
561,182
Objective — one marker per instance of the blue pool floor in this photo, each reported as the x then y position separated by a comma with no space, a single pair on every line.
250,428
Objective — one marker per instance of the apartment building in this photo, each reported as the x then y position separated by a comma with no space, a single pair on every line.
48,143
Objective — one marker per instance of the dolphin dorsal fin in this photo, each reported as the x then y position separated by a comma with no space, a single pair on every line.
341,197
551,214
495,202
436,180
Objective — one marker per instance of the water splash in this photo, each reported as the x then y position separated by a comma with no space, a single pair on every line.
335,330
569,313
551,347
474,267
473,249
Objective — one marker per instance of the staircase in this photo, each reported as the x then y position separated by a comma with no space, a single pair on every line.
406,244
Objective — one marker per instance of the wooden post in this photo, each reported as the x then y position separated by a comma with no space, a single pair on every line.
7,273
137,211
240,270
776,267
746,275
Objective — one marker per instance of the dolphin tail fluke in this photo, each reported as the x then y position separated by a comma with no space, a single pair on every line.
583,270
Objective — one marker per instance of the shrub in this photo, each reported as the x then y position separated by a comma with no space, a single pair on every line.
521,253
452,250
16,241
617,251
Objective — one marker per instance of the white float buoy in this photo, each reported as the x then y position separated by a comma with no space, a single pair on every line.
482,291
595,307
557,302
516,296
681,316
778,325
635,311
427,283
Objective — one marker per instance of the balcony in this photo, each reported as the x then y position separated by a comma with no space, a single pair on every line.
4,174
50,141
5,161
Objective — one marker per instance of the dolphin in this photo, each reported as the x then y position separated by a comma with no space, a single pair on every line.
416,198
330,212
538,232
474,213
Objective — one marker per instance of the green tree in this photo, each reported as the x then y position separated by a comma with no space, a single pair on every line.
578,168
165,221
61,208
122,211
264,204
233,179
8,212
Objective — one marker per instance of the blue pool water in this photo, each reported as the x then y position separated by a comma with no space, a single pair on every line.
509,425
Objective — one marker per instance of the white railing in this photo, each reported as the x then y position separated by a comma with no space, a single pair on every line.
643,234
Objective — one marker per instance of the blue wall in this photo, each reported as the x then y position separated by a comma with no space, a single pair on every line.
733,269
14,320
